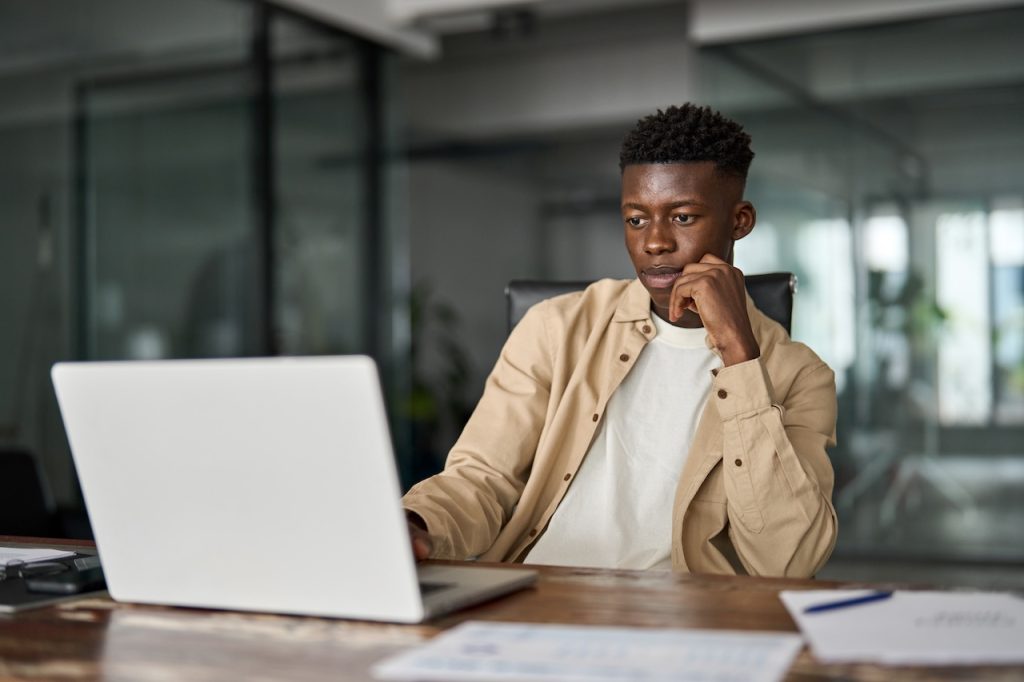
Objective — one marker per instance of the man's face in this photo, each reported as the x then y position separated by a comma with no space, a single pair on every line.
674,214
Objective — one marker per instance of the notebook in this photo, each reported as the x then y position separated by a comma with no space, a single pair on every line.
253,484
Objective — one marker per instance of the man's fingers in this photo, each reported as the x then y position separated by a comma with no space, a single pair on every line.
683,296
711,258
699,268
420,549
697,282
679,306
422,545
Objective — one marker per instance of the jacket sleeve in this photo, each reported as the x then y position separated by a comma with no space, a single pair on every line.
778,478
466,505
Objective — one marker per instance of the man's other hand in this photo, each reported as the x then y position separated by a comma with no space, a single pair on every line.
422,545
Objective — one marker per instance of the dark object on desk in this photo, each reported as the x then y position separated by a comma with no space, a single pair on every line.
68,582
25,504
772,294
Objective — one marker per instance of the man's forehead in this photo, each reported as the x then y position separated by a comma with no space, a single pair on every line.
674,169
694,178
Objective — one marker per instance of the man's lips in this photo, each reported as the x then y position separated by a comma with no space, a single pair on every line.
659,278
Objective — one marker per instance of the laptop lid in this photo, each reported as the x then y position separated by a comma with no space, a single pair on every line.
251,484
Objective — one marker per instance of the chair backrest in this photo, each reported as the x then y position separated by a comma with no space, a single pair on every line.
772,294
25,504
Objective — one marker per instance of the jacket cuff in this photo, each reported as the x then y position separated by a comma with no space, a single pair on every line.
440,547
742,389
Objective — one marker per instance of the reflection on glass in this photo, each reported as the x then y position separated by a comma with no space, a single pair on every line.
894,191
885,240
964,376
170,233
823,249
759,250
322,277
1006,239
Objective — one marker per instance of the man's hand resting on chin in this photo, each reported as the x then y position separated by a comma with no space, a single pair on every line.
715,291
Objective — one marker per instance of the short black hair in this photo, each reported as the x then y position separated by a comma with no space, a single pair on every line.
685,134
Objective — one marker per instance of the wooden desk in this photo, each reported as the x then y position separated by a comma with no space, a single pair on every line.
100,639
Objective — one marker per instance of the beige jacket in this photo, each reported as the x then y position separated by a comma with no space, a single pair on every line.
754,495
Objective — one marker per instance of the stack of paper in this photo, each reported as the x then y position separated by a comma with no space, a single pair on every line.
912,628
514,651
28,555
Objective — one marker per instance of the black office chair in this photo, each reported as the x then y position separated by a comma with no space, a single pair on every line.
25,504
772,294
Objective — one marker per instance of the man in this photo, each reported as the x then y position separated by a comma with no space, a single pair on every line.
662,421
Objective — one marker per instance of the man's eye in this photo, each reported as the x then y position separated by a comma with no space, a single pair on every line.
635,221
685,219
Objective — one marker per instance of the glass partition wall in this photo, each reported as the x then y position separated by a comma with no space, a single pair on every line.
888,177
170,247
181,180
225,201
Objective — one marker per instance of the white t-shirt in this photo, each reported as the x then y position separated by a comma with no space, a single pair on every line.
618,511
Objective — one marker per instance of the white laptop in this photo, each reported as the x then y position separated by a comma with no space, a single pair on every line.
253,484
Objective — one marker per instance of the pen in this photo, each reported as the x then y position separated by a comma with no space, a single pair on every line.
852,601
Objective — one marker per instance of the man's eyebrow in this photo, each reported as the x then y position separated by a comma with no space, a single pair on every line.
674,204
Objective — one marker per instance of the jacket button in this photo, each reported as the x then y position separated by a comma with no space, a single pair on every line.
722,394
714,372
533,532
596,417
646,329
738,462
567,477
624,357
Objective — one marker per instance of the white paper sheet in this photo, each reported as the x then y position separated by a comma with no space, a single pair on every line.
28,555
541,653
913,628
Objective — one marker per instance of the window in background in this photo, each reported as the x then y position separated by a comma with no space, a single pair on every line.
894,191
885,243
886,261
1006,239
964,347
50,52
324,276
823,249
172,248
801,232
188,179
759,251
229,199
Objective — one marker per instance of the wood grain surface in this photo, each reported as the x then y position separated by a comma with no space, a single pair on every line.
96,638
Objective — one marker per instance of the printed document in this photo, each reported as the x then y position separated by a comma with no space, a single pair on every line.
912,628
30,554
504,652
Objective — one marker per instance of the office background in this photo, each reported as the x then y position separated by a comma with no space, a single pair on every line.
214,178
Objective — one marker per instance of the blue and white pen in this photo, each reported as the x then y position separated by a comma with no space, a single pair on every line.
852,601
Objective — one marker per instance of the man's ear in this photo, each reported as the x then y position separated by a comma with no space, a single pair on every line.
744,218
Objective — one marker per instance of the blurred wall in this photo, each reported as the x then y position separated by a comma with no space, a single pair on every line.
494,127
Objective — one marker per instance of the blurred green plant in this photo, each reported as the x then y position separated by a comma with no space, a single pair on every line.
438,405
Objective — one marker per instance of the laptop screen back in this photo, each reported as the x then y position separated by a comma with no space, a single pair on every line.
253,484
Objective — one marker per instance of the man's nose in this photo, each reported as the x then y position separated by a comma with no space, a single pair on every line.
659,238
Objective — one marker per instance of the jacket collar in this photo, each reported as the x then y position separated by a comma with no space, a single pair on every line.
634,305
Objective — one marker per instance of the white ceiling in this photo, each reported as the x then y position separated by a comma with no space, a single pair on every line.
34,34
723,21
